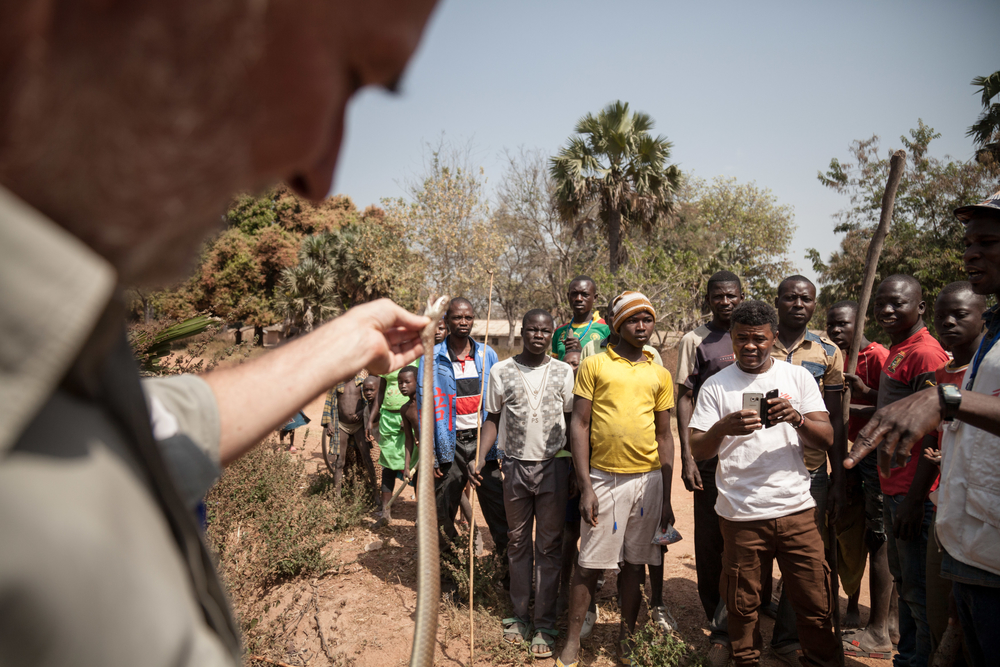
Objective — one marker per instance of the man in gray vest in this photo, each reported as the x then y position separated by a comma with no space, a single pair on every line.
125,129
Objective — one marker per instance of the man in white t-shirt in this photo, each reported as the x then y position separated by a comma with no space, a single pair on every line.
529,399
764,505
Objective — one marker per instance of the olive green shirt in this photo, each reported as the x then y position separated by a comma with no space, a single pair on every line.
101,559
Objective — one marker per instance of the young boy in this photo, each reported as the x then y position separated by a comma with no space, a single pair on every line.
860,522
623,458
765,507
392,442
958,318
529,398
410,415
913,358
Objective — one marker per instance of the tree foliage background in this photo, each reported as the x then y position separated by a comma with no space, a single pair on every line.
925,238
281,260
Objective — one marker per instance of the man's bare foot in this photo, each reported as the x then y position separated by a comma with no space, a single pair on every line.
867,641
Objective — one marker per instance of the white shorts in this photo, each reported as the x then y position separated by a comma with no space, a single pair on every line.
628,515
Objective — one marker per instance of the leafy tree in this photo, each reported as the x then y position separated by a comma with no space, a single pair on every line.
715,225
925,239
543,251
985,132
241,267
616,163
447,224
307,293
369,259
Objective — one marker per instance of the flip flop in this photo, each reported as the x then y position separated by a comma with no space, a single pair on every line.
515,630
543,637
560,663
853,648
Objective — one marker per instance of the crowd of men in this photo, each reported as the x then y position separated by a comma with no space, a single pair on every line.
126,130
575,462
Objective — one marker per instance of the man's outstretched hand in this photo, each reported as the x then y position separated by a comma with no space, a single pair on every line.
895,428
388,337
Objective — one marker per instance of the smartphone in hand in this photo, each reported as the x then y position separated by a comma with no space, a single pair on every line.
758,403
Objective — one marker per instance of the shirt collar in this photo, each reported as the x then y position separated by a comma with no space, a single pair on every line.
796,345
614,355
55,289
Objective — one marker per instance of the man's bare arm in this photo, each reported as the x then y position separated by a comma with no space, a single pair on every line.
899,425
579,442
487,436
665,450
255,398
689,470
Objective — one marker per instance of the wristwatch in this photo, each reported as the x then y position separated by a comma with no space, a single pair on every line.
950,398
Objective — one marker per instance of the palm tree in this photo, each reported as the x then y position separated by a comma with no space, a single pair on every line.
307,293
985,133
615,163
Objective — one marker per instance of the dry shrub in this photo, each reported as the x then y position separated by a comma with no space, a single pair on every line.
269,525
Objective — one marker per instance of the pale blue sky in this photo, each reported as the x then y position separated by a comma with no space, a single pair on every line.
764,92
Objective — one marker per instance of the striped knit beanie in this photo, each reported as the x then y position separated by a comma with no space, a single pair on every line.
628,304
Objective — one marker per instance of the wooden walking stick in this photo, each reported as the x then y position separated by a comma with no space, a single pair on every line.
472,496
897,163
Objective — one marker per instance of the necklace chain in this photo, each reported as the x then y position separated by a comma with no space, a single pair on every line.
532,393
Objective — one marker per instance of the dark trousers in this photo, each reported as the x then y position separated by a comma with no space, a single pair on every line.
449,487
979,614
785,636
708,546
795,543
535,495
908,565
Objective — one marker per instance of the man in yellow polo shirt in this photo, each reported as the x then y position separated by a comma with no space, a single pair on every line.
623,457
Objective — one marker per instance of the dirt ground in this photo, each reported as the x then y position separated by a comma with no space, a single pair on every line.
366,607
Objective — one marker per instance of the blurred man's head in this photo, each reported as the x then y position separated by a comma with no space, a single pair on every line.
958,315
573,359
724,293
132,124
796,302
841,319
459,317
982,244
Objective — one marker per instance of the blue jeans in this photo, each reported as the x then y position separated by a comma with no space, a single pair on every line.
908,565
977,597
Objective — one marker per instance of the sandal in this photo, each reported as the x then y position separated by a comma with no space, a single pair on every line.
515,631
853,648
544,637
625,648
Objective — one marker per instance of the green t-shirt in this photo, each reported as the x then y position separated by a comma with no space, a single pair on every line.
597,329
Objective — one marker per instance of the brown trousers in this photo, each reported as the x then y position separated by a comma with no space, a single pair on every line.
795,543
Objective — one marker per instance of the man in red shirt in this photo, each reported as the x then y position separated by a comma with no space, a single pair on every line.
913,358
860,527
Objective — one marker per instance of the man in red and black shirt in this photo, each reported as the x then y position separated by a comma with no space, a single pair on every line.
913,357
860,526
